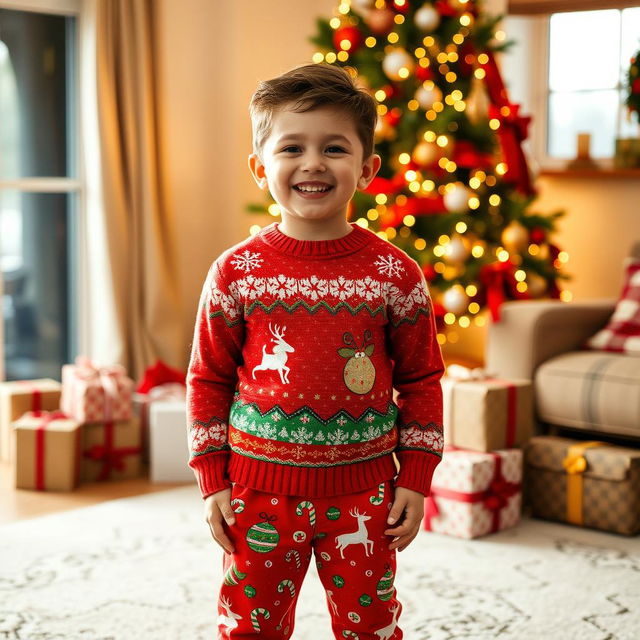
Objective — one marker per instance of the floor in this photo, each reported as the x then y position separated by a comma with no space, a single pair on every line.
19,504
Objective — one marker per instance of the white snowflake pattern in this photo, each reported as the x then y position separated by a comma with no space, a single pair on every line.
283,433
302,435
341,421
202,436
341,288
282,286
247,260
305,418
368,288
371,433
251,287
389,266
338,437
313,287
276,417
370,418
265,430
425,438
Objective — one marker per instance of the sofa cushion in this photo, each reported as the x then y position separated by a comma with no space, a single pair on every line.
590,390
622,333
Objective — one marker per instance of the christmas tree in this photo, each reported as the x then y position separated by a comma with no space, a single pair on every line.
454,189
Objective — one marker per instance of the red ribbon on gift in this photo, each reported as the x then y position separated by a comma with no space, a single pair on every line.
111,457
36,396
46,418
494,497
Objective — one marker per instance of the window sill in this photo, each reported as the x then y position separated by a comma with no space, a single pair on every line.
590,173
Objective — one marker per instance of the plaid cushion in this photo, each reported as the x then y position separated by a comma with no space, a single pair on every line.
622,333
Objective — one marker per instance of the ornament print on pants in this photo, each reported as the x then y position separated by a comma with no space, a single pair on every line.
277,360
359,373
275,539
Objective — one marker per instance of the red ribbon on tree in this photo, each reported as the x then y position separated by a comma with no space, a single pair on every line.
497,279
494,498
513,128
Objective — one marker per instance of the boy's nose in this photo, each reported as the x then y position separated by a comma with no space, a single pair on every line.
313,162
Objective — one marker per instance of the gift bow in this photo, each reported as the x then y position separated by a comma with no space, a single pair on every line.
108,377
575,463
498,493
111,458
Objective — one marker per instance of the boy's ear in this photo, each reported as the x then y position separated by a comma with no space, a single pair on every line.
370,168
257,171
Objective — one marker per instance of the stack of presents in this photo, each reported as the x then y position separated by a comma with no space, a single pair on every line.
493,468
96,425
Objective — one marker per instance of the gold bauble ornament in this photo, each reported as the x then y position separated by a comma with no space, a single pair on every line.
384,131
457,250
395,61
477,101
537,285
426,97
515,237
380,21
426,153
455,299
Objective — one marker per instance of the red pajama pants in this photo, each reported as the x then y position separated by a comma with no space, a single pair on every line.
274,539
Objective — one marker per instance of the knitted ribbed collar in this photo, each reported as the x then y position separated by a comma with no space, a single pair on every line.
354,240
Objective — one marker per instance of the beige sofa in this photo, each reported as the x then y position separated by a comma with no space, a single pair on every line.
595,392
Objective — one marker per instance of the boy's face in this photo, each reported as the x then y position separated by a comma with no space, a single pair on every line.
319,148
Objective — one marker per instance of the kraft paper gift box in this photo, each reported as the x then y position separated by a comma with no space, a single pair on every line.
47,451
487,414
111,451
587,483
96,394
19,397
169,449
475,493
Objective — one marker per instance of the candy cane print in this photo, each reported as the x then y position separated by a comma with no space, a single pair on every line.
312,511
293,554
287,583
350,634
254,618
376,500
237,505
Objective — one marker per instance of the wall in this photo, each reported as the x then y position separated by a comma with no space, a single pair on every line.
212,54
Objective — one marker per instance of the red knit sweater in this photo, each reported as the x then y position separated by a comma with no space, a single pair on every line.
298,346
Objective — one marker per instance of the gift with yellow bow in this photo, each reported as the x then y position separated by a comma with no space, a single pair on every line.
586,483
483,412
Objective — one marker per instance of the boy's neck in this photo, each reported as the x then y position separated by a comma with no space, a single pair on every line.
314,229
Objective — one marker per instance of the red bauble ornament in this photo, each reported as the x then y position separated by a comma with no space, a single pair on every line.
537,235
445,9
393,116
400,6
351,34
424,73
429,272
635,86
380,21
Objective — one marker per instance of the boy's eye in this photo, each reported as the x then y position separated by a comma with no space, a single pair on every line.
331,149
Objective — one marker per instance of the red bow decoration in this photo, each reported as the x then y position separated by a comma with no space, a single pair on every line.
498,493
498,278
159,373
111,458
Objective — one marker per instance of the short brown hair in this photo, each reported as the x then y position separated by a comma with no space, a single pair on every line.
311,86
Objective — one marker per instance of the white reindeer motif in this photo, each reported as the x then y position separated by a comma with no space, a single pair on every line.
278,358
361,536
386,632
230,619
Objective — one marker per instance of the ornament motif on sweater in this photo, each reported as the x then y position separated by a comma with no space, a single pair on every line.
276,360
359,373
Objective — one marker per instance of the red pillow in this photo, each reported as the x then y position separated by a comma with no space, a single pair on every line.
622,333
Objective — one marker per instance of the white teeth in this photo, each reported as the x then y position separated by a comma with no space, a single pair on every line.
312,189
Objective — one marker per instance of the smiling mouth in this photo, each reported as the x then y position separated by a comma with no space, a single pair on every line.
313,190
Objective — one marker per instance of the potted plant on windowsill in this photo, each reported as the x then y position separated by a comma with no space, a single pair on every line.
628,149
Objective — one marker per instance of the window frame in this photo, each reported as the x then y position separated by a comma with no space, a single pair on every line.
75,186
539,26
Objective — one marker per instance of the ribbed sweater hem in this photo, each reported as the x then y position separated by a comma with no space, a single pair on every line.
311,482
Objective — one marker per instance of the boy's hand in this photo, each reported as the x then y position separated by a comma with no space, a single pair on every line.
217,509
406,513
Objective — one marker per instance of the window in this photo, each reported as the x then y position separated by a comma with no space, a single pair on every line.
589,53
39,188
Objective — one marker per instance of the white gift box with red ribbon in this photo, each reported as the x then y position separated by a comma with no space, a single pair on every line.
92,393
475,493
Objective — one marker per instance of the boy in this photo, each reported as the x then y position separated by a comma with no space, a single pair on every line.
302,333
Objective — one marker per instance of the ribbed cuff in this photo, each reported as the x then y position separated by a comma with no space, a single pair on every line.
416,470
211,472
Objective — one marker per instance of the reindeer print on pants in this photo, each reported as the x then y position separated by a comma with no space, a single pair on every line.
345,535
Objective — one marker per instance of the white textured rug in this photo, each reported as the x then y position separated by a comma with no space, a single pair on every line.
145,568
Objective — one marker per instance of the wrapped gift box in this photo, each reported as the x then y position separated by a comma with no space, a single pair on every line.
111,451
475,493
96,394
487,414
142,402
19,397
169,449
47,451
591,484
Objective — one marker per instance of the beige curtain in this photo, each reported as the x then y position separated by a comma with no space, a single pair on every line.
143,290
